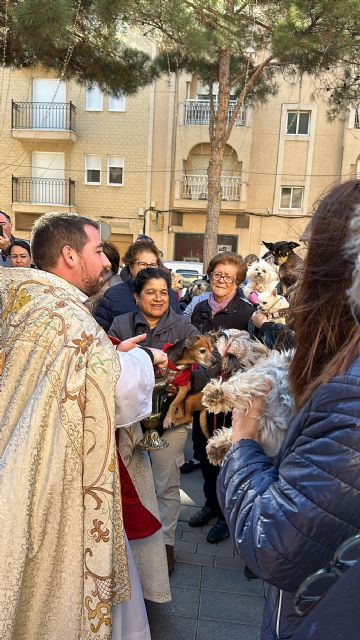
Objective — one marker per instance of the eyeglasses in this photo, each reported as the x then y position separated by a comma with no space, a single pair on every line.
217,276
146,265
317,585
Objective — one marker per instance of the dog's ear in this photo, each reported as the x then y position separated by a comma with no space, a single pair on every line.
174,353
293,245
190,341
268,245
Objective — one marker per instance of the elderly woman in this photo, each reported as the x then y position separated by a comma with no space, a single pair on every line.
142,254
225,308
162,325
287,519
20,254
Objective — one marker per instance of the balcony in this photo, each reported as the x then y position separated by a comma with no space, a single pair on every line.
43,191
43,120
197,112
195,187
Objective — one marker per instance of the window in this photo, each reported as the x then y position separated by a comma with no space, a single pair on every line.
117,104
298,123
291,197
92,169
242,221
93,99
115,171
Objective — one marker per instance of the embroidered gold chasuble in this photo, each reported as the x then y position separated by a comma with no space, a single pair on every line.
63,558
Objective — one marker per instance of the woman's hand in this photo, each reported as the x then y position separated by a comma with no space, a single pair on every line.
258,318
245,426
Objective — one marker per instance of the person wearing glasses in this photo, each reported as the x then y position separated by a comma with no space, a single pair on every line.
287,518
142,254
225,308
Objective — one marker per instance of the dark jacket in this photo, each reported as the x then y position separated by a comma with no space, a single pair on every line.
119,300
236,315
337,615
288,520
170,328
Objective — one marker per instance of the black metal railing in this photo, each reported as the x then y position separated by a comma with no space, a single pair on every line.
43,190
60,116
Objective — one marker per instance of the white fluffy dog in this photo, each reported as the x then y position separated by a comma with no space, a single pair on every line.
260,277
274,306
240,391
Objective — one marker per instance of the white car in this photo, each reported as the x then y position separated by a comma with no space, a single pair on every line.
189,271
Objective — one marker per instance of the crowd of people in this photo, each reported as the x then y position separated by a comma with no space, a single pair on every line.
88,517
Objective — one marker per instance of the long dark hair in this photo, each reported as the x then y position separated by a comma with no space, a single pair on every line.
327,338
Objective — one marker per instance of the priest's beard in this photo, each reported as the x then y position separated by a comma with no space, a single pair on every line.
90,283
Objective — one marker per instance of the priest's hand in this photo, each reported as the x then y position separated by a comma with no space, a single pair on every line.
160,358
131,343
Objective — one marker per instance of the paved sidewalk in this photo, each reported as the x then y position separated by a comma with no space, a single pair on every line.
211,598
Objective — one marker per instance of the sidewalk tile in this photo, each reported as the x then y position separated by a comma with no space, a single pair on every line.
186,575
184,545
183,526
185,602
229,563
214,549
211,630
232,580
194,536
231,607
169,627
195,558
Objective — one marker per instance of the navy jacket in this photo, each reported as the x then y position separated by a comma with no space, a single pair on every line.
120,299
288,520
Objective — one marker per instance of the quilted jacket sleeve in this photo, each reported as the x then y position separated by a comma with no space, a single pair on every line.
288,521
104,313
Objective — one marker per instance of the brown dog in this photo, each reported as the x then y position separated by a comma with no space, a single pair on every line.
183,357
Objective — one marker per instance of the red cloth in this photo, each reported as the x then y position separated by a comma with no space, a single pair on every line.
115,341
139,523
182,379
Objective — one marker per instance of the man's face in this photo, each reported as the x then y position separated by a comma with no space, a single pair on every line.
93,263
6,225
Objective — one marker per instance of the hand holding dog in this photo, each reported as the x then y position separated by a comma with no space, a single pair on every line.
245,426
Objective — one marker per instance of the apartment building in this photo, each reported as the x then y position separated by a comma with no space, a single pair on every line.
138,164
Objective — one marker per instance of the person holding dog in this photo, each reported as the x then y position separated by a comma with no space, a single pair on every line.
158,320
288,518
224,309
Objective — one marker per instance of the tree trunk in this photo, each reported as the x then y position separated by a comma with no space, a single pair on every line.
217,132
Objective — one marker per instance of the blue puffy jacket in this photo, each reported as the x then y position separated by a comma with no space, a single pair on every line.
288,520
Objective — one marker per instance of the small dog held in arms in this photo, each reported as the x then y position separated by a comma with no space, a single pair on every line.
183,358
260,277
274,306
241,390
287,260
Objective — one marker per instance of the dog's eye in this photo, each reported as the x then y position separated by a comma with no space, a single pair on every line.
202,350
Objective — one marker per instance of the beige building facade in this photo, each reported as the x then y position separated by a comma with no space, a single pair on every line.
139,163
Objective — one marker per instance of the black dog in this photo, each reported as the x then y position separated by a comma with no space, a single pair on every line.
289,263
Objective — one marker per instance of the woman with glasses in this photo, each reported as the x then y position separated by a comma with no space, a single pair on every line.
142,254
224,309
288,518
